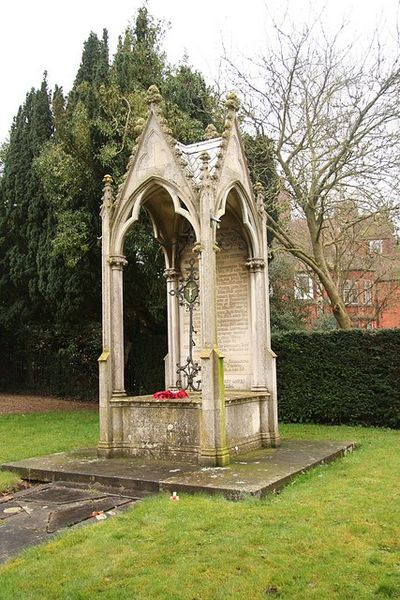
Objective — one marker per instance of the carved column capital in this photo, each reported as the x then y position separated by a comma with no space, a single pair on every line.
171,274
117,262
255,264
198,248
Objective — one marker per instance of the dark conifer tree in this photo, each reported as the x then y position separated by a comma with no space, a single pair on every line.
23,211
139,61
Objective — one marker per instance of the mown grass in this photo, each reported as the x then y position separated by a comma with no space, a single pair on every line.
36,434
334,533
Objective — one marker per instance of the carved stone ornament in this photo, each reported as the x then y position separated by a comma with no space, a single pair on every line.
232,101
255,264
171,274
117,262
153,95
210,132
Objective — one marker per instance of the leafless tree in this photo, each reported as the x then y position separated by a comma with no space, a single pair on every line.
334,120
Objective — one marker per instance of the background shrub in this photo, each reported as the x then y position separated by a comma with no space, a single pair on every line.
339,377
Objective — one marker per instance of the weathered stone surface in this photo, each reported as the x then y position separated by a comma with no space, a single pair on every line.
45,509
61,495
70,515
257,473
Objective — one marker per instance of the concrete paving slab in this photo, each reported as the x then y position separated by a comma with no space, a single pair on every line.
255,474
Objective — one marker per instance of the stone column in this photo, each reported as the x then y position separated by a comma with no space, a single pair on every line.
171,276
117,264
269,412
214,450
258,322
105,383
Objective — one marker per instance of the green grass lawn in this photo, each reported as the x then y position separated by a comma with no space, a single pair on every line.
334,533
36,434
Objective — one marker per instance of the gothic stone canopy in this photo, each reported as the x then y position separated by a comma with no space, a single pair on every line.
207,217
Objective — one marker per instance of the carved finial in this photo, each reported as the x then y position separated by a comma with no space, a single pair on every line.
107,180
210,132
108,195
259,189
153,95
259,192
139,126
204,157
232,102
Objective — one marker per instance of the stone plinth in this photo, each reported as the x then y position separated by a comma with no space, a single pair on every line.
255,474
172,429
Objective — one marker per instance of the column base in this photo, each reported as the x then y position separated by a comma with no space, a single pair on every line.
270,440
214,457
104,450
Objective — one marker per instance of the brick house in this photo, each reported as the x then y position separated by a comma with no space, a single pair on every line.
364,256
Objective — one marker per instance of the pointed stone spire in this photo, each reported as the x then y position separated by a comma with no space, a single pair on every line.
232,105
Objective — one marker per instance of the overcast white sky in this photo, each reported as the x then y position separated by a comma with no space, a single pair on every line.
48,35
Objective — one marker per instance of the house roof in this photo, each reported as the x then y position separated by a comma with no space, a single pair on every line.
191,154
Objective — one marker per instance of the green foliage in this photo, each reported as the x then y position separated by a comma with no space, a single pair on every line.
339,377
72,236
260,158
94,64
52,362
190,104
139,61
23,209
286,313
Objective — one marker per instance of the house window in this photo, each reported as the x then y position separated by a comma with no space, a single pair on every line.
303,287
350,292
367,293
375,246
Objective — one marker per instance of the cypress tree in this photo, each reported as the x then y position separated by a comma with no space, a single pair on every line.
139,61
23,210
23,227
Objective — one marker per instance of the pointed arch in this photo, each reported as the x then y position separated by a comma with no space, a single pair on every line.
129,212
248,218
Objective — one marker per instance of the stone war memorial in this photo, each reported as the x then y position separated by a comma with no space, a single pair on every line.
211,226
214,429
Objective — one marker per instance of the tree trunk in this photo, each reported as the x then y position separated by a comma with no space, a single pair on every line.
337,304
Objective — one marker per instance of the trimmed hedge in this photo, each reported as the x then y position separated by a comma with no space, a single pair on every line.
339,377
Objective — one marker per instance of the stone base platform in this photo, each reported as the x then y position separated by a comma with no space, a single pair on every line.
176,429
256,473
